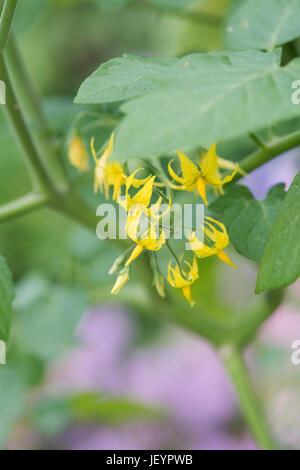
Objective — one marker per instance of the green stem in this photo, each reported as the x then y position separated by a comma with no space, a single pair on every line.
6,19
257,140
31,107
270,151
246,327
11,109
249,402
22,206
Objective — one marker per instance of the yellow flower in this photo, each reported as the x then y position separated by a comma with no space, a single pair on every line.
152,239
183,280
107,174
121,281
78,155
143,197
110,174
218,237
206,173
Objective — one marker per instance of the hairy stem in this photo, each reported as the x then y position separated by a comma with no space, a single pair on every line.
6,19
246,327
270,151
249,402
22,206
31,106
11,109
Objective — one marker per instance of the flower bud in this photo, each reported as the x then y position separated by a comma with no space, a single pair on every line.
118,264
78,155
159,283
121,281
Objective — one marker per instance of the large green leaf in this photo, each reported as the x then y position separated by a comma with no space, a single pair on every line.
46,323
257,24
280,265
6,298
53,414
194,100
247,220
12,398
106,410
122,79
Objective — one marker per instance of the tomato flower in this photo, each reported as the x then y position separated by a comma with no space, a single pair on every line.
183,280
197,177
218,237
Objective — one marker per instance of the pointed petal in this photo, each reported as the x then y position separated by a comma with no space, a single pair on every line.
94,154
225,258
143,197
201,187
136,252
137,183
188,295
190,171
173,174
177,188
209,163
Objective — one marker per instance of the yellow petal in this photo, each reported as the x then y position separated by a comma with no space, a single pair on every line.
188,295
200,249
201,187
190,171
137,183
94,154
107,151
135,254
209,163
178,188
117,187
219,237
173,174
224,257
143,197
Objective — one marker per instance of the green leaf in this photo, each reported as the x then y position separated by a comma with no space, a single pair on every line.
194,100
247,220
257,24
12,399
280,265
46,324
53,414
122,78
113,411
6,298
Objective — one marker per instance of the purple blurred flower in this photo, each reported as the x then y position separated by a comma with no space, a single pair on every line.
282,169
181,374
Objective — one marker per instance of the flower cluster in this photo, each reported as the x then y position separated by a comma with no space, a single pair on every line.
144,225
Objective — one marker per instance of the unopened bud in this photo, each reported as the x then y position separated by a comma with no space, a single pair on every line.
121,281
118,264
78,155
159,283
